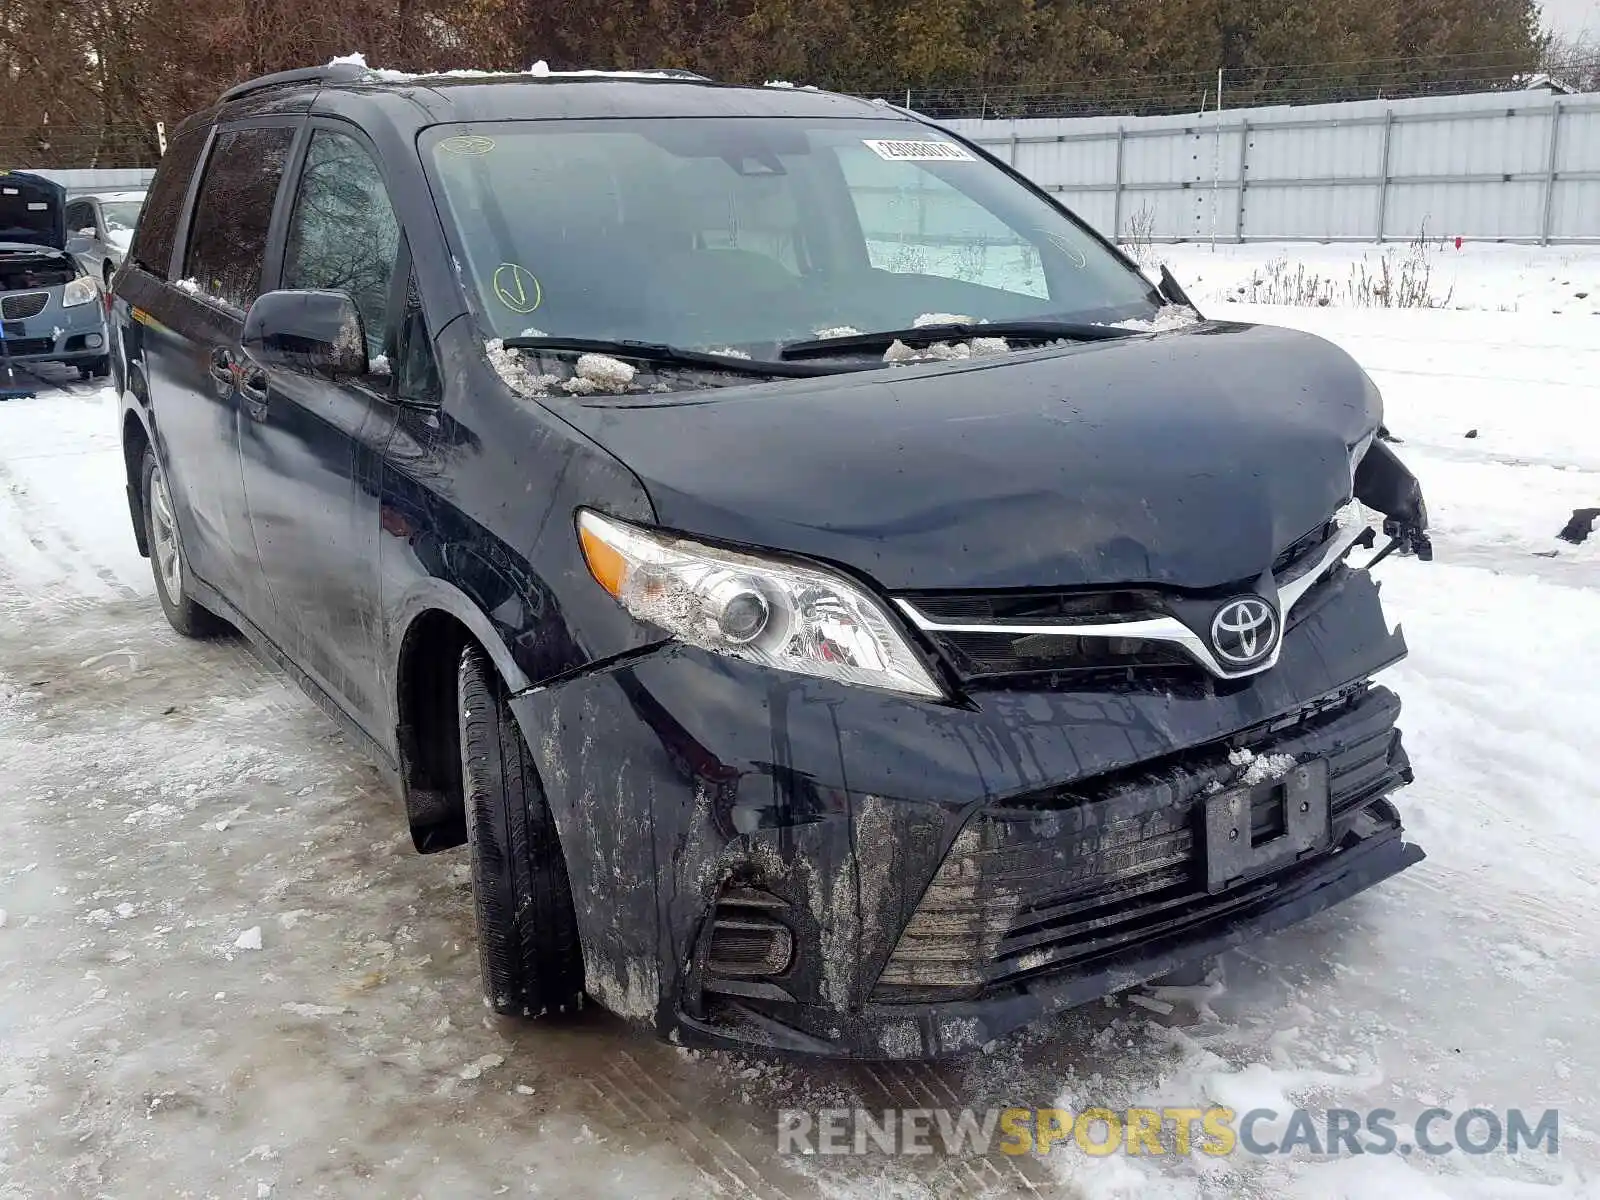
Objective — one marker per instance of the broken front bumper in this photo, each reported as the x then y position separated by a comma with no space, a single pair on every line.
769,860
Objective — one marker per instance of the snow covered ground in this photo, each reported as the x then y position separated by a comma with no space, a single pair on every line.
167,804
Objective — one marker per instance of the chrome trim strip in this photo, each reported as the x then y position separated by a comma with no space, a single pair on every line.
1170,629
1289,594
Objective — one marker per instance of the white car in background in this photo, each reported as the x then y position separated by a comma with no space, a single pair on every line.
100,230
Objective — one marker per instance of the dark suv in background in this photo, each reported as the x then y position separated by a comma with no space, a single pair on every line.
843,605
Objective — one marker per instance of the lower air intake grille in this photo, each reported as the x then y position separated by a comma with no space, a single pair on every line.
1075,878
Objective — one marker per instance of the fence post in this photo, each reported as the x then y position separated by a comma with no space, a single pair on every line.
1011,157
1383,173
1116,192
1550,172
1244,157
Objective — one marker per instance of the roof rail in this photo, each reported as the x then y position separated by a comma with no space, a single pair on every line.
332,73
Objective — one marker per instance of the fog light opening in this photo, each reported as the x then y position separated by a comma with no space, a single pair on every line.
748,941
93,341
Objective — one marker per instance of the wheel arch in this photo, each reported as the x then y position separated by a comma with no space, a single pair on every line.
137,437
432,627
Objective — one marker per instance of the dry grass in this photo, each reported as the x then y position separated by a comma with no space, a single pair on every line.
1139,243
1401,278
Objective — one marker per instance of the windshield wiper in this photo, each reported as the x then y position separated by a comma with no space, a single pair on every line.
927,335
661,354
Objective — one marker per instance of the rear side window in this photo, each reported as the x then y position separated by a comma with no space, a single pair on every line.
152,247
228,236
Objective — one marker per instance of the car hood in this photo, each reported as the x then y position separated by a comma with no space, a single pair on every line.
1188,460
33,210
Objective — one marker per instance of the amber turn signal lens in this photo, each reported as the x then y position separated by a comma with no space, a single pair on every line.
605,564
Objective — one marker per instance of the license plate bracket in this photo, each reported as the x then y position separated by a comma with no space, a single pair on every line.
1260,828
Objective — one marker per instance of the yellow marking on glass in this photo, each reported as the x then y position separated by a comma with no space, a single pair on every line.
517,288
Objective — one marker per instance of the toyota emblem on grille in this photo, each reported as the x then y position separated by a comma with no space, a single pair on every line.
1244,631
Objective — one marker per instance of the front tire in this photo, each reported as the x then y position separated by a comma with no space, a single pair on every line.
167,561
528,946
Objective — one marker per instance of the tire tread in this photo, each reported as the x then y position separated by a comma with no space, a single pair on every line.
528,948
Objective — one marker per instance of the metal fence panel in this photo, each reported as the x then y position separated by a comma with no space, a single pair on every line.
1514,166
100,179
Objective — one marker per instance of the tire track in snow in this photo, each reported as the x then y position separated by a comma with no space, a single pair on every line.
56,545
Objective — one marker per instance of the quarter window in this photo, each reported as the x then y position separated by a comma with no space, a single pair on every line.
158,225
344,235
229,236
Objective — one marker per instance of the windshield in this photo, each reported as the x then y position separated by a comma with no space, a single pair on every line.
745,233
121,215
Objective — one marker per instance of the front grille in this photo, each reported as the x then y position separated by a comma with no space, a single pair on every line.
1074,878
976,655
21,305
22,347
996,653
1038,608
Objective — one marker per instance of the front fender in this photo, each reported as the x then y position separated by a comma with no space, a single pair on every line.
437,595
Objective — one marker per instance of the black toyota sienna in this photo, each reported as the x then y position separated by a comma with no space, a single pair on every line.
840,603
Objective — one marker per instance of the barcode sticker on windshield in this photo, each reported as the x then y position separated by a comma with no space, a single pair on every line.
920,151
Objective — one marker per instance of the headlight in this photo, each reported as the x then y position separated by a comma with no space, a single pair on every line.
80,291
787,617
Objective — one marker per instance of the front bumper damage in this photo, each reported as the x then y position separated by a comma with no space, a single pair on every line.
773,861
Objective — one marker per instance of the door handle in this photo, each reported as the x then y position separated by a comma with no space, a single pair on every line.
253,385
221,367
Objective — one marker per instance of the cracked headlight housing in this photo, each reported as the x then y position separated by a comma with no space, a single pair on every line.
775,614
79,291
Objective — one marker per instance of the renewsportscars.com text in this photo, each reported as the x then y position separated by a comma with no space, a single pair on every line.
1160,1131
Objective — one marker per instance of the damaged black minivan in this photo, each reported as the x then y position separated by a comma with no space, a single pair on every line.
842,605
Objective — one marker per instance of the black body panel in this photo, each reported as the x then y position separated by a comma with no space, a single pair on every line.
1189,460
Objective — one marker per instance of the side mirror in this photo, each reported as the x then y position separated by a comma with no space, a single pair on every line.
307,332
